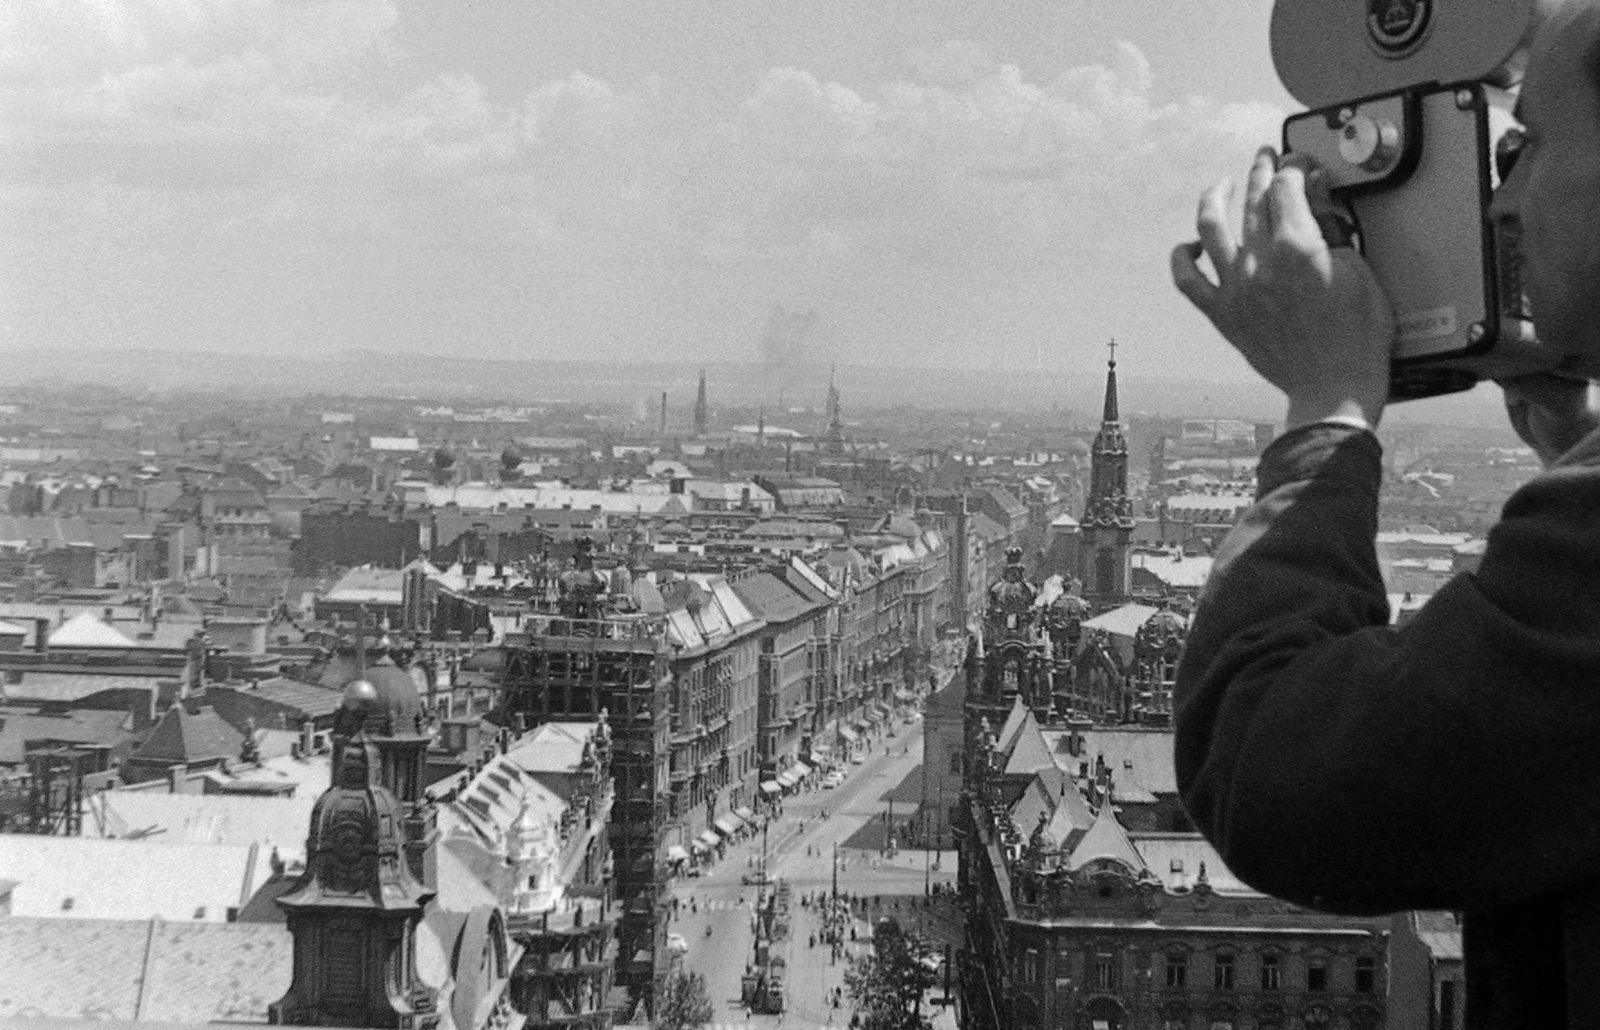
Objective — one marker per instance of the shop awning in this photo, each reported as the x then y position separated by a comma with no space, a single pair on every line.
848,734
698,847
801,770
709,838
770,786
677,853
786,778
821,749
743,812
726,826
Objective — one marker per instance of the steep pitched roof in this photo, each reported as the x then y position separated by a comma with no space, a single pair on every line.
1030,753
1034,802
1106,839
1072,817
1013,725
185,737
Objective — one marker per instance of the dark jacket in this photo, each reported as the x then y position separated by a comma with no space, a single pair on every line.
1453,764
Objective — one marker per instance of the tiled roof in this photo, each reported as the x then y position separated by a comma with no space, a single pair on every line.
155,971
771,599
190,737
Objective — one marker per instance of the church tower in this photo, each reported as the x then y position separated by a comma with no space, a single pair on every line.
1108,516
835,437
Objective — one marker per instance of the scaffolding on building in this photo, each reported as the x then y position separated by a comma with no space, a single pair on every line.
563,979
49,798
566,669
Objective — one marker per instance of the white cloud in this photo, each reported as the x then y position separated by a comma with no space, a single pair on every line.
231,134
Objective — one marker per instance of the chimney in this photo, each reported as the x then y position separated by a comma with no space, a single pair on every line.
41,635
306,737
519,723
176,775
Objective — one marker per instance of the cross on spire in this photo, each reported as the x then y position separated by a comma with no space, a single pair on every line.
1113,346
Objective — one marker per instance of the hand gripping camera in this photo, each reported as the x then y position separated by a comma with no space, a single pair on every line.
1400,93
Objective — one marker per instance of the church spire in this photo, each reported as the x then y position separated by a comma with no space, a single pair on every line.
1110,413
1108,516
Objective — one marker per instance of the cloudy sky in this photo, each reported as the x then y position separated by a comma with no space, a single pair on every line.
961,183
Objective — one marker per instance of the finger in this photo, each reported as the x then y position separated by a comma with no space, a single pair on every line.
1190,281
1333,218
1301,160
1291,212
1212,224
1257,218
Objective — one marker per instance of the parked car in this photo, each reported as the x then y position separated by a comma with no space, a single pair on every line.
757,877
834,779
677,944
858,759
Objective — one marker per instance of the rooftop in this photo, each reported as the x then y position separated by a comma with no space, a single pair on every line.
95,878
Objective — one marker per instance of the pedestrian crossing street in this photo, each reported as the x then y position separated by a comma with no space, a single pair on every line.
788,1024
716,905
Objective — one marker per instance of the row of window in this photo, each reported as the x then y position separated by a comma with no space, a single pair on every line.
1270,973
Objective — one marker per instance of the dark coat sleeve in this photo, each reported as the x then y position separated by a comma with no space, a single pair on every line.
1351,767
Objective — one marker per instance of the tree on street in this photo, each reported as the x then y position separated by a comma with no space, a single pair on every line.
684,1004
886,984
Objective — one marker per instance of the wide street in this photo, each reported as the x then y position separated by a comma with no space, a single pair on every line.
800,852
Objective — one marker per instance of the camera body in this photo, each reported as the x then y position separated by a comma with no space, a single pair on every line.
1400,95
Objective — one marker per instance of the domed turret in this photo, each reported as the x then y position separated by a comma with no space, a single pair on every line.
389,698
1161,635
359,889
360,695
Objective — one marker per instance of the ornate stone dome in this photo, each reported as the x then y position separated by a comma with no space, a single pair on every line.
388,695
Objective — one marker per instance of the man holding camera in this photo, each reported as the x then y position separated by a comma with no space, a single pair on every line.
1455,763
